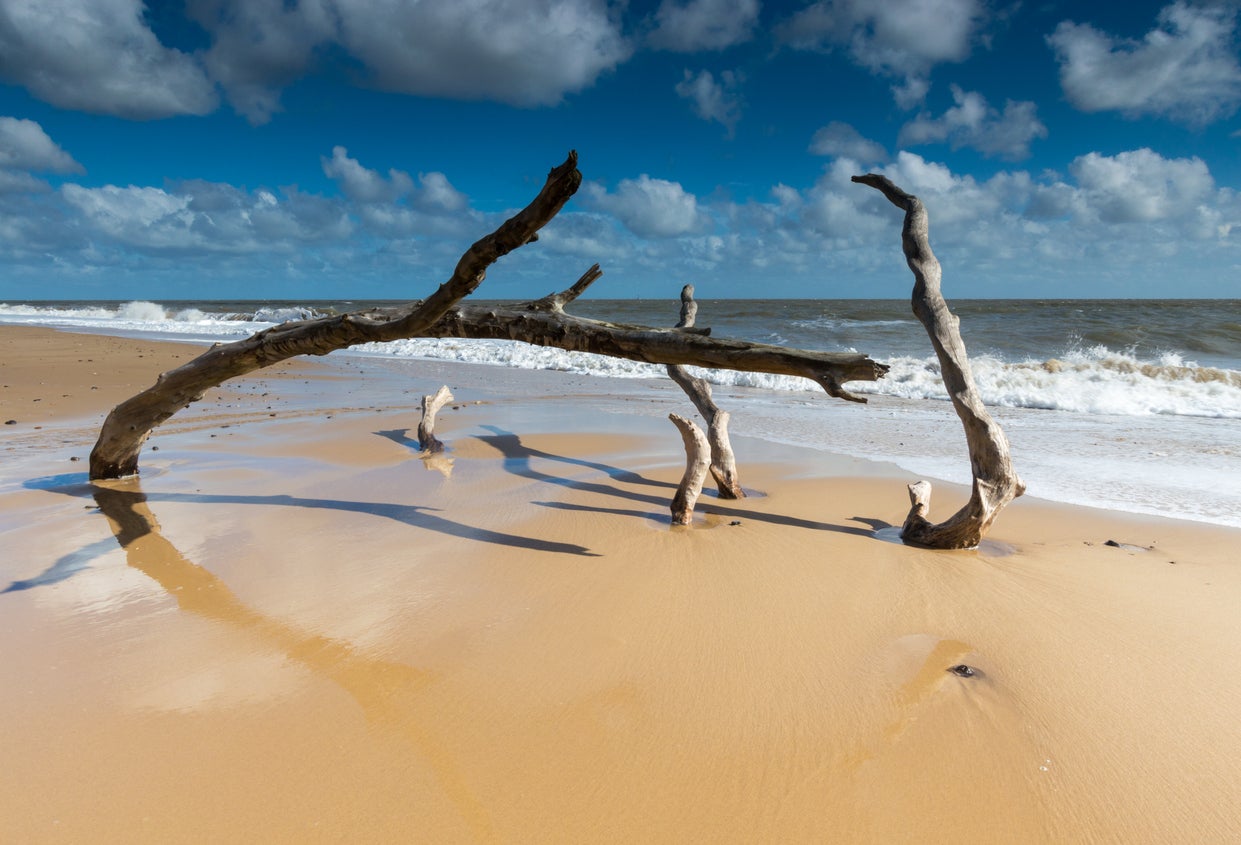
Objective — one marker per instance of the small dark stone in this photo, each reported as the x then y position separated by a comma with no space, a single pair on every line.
154,448
735,522
75,458
1113,544
962,671
10,422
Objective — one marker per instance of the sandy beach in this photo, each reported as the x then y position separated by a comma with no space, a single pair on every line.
294,628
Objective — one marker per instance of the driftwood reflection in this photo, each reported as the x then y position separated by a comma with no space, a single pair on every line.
387,692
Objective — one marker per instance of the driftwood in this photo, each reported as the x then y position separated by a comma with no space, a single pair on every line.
697,460
995,481
431,404
723,461
541,322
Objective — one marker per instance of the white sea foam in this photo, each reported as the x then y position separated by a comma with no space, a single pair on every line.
1090,424
1095,381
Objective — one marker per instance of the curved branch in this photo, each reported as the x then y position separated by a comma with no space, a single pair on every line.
723,460
129,424
995,481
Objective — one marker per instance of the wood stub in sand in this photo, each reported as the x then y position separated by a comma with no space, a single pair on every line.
431,404
723,461
995,481
697,460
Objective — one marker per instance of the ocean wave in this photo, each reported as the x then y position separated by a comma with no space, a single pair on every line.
1097,381
1093,381
141,315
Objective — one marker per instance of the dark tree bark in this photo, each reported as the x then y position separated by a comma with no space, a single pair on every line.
542,322
995,481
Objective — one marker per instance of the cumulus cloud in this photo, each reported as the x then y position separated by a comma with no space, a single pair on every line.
1185,69
362,184
650,208
894,37
203,218
25,146
1141,186
260,46
522,52
841,140
703,24
973,123
713,99
432,193
99,56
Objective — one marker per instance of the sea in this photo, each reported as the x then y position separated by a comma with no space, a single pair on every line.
1131,405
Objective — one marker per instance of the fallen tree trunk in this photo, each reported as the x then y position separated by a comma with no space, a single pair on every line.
542,322
723,461
126,428
995,481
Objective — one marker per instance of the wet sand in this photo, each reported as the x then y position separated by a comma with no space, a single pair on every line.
294,628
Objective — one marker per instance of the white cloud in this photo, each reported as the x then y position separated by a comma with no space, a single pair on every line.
204,218
713,99
695,25
523,52
259,46
25,146
650,208
841,140
99,56
361,184
1186,69
972,122
1140,186
896,37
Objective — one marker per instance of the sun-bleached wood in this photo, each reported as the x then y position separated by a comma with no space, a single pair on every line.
541,322
431,404
697,461
995,481
127,427
723,461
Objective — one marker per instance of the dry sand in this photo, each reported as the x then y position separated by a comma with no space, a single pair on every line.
295,629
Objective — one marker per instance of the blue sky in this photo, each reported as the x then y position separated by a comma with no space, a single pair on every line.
276,149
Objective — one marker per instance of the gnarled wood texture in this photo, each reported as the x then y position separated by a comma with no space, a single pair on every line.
697,460
723,461
431,404
542,322
129,424
995,482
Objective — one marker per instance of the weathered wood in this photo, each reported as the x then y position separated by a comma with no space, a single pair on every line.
431,404
542,322
555,328
723,461
697,461
129,424
995,481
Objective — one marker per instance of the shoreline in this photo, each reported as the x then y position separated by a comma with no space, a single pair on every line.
293,627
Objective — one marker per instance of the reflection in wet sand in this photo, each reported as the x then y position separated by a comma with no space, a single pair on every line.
387,692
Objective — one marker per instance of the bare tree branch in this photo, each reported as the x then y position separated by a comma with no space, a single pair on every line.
995,482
